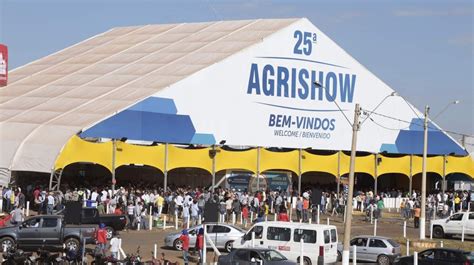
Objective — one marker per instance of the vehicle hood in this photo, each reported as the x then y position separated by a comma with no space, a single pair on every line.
439,221
8,229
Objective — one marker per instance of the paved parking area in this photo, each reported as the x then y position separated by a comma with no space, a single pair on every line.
391,225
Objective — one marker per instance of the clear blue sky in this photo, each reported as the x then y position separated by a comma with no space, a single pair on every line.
422,49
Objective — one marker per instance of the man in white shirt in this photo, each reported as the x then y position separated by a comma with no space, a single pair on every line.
94,195
115,245
50,206
17,216
103,198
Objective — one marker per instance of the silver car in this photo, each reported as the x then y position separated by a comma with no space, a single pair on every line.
223,236
382,250
254,256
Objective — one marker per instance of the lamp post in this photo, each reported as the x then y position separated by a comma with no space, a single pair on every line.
423,174
355,128
347,225
424,167
446,107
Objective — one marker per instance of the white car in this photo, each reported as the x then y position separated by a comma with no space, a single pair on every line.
223,236
319,241
453,225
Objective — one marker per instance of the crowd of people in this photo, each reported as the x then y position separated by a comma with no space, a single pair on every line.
188,204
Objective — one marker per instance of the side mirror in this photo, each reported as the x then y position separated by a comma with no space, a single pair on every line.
447,220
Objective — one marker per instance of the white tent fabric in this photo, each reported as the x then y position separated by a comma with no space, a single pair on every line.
53,98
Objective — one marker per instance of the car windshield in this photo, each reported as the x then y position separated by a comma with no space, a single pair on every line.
272,255
393,243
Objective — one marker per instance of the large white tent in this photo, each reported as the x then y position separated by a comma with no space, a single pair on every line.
246,82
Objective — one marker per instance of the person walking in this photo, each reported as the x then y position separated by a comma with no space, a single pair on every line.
17,216
417,213
184,238
283,215
299,209
50,206
200,244
245,215
101,239
115,245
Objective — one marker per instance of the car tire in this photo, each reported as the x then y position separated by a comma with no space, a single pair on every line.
438,232
383,260
339,256
6,243
178,244
228,246
110,232
72,244
306,261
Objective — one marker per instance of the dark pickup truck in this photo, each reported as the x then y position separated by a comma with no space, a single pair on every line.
112,222
46,232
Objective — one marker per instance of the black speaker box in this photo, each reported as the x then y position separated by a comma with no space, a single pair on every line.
72,213
211,213
164,210
316,196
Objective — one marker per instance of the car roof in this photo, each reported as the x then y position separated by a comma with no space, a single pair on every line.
295,224
451,249
374,237
255,248
44,215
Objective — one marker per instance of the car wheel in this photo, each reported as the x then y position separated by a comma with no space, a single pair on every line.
306,261
438,232
72,244
6,243
383,260
228,246
339,256
178,244
110,232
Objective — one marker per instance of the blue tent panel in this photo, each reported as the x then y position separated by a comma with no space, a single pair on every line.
145,126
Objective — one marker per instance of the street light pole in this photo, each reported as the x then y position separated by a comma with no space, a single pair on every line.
423,175
348,224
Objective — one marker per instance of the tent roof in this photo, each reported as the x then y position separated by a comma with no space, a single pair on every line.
55,97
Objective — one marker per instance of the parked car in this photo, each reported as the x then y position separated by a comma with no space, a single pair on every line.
382,250
453,225
46,232
439,256
254,256
319,241
90,215
223,235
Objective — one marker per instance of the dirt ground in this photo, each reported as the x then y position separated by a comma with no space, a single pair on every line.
390,225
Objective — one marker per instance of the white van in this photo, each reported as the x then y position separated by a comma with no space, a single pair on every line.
319,240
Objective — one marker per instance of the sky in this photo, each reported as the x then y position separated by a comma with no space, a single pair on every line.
424,50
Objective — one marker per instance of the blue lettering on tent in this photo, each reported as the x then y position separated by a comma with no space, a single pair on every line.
280,81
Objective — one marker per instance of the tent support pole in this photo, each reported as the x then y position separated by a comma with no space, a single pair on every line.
444,182
376,174
338,174
299,170
114,148
411,175
165,172
213,167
